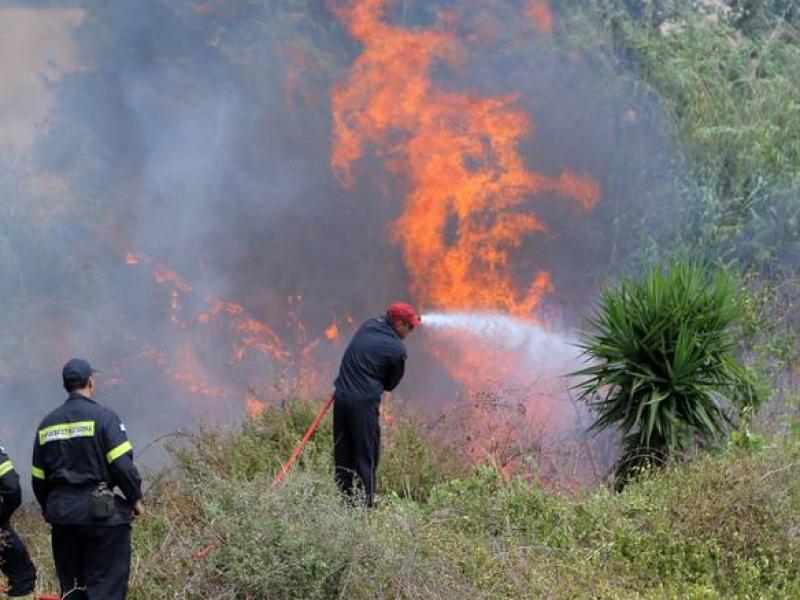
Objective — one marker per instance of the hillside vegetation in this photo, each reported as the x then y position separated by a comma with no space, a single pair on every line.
718,526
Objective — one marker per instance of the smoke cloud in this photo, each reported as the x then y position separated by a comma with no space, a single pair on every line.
179,224
36,51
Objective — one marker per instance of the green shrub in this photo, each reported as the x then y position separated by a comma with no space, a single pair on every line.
664,369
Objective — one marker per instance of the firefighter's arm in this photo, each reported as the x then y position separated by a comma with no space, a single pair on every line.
39,483
119,456
10,494
395,374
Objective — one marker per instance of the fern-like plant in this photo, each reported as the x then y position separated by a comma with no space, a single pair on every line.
663,366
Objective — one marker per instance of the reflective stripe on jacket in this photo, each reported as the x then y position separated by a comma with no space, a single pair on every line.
78,446
10,494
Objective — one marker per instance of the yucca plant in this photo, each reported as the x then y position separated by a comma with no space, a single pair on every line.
663,367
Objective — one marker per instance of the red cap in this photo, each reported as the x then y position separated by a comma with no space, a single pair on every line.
404,313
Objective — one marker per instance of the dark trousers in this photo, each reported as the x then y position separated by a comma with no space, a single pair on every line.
15,562
94,557
356,445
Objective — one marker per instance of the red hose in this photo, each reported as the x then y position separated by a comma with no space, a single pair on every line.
278,480
206,550
281,475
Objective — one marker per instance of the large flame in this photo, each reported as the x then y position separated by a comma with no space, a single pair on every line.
468,204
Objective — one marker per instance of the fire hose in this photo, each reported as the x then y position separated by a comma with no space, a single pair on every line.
285,468
278,480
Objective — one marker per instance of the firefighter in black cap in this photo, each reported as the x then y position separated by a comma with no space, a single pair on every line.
14,559
89,490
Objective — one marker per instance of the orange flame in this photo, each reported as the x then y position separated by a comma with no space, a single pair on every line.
332,332
540,16
255,407
188,374
253,334
166,275
248,336
468,207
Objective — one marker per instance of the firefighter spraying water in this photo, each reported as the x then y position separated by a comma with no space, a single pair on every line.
373,363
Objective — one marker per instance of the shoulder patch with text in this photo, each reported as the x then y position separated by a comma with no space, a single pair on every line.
66,431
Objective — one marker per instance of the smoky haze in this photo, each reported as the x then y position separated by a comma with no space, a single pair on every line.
179,155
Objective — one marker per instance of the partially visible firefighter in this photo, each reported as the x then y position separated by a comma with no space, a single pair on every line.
89,490
374,362
15,563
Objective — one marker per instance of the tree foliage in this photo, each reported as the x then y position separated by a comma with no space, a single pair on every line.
663,367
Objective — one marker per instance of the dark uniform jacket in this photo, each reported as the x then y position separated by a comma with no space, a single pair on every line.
10,494
373,362
78,446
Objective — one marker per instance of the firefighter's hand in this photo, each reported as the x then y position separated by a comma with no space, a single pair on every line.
138,508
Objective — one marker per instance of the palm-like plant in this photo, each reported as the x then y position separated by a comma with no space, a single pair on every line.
663,366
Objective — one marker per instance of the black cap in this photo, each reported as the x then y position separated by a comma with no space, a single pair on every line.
76,372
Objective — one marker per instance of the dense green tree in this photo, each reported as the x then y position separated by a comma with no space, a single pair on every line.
664,369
